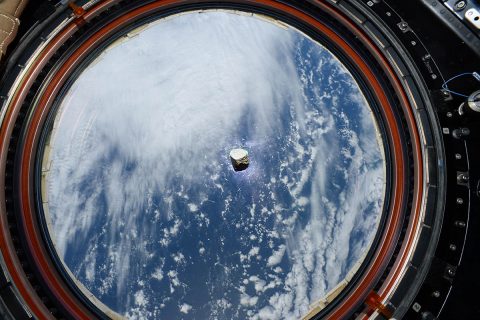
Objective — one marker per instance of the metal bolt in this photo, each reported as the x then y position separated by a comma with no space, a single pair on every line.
451,272
460,224
449,114
403,26
453,247
427,315
460,5
458,156
416,307
462,178
413,43
459,200
436,294
434,76
460,132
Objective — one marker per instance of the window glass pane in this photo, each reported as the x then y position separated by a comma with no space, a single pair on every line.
144,206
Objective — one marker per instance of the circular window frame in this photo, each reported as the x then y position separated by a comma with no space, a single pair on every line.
45,127
402,222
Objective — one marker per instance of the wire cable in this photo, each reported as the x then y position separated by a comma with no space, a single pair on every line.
474,74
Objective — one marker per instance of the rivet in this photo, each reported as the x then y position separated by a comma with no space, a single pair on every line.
451,272
460,224
460,5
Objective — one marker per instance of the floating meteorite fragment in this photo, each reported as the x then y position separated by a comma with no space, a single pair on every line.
239,158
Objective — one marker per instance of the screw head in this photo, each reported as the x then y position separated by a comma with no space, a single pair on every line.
460,224
459,200
403,26
460,5
453,247
450,272
449,114
458,156
463,178
427,315
436,294
416,307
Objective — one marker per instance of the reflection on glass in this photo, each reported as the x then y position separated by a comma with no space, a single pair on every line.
145,207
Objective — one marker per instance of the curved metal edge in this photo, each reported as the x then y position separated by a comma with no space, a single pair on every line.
387,52
24,300
433,204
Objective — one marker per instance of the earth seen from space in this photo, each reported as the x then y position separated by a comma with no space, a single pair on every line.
145,208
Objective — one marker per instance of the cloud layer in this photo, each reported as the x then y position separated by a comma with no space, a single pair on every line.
146,209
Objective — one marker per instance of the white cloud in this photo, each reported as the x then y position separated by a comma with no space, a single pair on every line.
276,257
158,274
246,300
253,252
163,108
140,298
185,308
